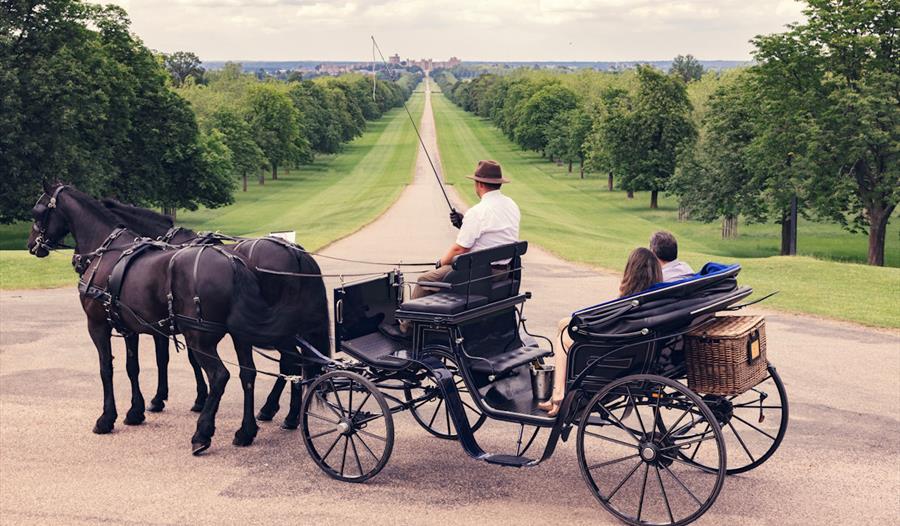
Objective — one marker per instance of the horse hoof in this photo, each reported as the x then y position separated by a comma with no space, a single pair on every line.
266,415
290,424
156,406
199,447
197,407
134,419
103,427
241,439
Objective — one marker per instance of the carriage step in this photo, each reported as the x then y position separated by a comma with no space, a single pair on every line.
508,460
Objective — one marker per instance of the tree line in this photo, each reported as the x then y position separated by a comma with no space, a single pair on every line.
811,129
83,101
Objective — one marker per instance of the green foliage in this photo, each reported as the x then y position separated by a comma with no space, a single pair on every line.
246,156
715,179
830,89
86,103
567,135
642,134
536,114
275,124
687,68
183,65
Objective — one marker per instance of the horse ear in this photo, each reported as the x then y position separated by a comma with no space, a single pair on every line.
47,186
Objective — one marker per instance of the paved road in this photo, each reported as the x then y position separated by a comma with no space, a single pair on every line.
840,462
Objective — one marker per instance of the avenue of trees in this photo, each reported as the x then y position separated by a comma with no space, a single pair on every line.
811,129
83,101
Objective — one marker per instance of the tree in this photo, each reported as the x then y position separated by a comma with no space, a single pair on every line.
273,119
246,156
837,76
183,65
535,115
87,103
567,134
715,179
643,134
687,68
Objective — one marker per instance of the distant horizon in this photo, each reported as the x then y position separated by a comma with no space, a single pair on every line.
470,61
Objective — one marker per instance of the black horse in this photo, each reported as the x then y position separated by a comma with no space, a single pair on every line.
141,286
270,253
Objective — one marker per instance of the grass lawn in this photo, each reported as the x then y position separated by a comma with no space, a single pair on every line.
580,220
324,201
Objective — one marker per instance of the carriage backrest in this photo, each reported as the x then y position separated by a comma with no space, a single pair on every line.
472,273
625,335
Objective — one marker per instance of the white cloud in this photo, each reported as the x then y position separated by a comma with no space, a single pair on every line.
473,29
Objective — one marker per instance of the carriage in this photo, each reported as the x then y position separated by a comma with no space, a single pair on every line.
650,449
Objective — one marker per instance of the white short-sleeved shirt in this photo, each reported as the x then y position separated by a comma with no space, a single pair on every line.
675,270
493,221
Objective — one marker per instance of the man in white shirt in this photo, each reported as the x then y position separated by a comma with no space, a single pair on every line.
664,245
492,222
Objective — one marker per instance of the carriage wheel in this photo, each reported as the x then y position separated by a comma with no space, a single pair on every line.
629,440
432,412
347,426
753,424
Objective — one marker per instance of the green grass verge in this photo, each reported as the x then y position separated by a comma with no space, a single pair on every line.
322,202
580,220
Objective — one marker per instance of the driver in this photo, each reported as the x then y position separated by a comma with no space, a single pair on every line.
492,222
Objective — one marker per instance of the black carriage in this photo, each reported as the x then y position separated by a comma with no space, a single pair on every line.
650,449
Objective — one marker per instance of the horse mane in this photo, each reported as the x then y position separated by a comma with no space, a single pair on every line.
131,214
94,207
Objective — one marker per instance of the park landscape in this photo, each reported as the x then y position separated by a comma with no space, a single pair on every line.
345,171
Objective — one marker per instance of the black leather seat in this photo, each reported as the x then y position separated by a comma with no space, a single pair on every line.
376,349
507,361
472,282
444,303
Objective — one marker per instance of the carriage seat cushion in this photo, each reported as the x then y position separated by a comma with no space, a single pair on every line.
507,361
443,303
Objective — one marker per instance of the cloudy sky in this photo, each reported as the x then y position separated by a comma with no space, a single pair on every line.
469,29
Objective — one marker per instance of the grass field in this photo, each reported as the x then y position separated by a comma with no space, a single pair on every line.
324,201
580,220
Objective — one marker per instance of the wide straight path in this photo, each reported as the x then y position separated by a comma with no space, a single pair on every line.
840,462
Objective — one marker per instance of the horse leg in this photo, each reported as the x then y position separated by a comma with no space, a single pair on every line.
268,410
202,392
135,414
289,357
218,376
100,334
247,432
158,402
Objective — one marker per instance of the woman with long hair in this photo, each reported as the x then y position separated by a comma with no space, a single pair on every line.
641,272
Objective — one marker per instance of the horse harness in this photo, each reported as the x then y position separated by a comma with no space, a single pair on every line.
42,240
110,296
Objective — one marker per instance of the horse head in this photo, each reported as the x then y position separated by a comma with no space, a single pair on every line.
50,225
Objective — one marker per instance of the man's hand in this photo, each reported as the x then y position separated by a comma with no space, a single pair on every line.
456,219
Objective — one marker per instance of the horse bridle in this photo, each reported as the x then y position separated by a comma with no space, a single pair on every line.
42,240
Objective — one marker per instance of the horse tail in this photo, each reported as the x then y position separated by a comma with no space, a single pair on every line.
315,325
252,318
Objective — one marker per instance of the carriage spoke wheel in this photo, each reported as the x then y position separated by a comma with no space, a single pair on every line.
628,451
347,426
753,424
431,411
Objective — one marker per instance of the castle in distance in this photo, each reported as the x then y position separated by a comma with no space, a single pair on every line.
426,64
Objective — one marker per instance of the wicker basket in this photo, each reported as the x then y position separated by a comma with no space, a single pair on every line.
727,356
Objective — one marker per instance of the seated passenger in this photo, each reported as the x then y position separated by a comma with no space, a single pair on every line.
641,272
494,221
665,247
